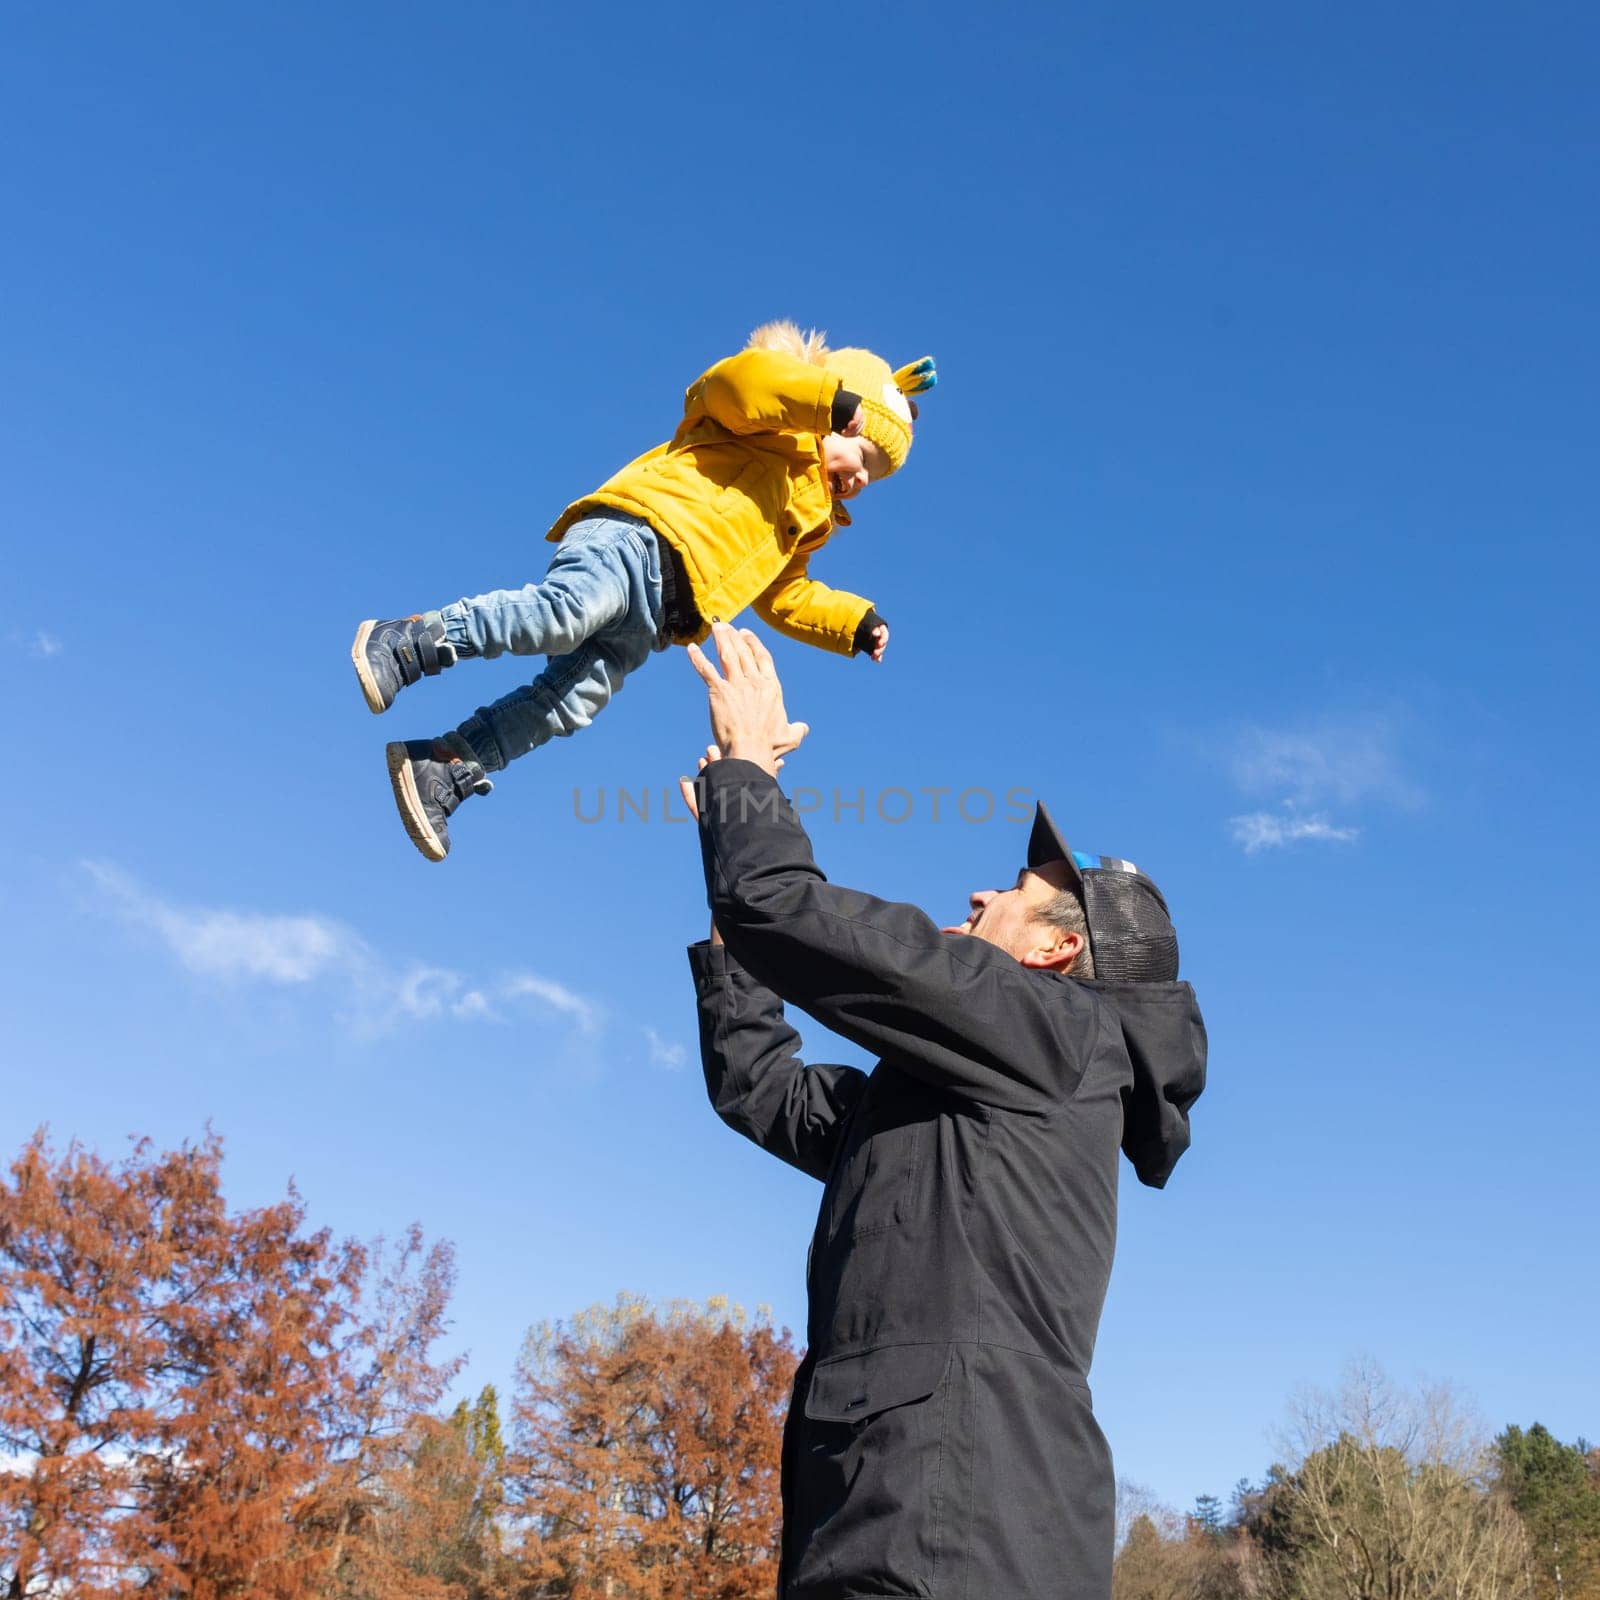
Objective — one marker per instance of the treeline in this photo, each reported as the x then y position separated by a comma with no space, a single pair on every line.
1394,1495
202,1403
206,1404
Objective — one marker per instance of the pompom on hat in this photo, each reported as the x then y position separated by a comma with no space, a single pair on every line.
886,410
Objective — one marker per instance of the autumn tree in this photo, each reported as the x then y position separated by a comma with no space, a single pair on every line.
1389,1500
1164,1556
167,1374
1154,1562
416,1494
427,1530
1558,1500
645,1455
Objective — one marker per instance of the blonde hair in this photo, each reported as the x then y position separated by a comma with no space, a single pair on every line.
812,345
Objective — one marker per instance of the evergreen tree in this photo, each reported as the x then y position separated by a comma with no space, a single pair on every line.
1555,1494
1239,1501
478,1428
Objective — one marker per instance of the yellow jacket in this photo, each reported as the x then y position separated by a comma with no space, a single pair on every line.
740,493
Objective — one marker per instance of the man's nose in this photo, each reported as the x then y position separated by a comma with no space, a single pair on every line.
981,897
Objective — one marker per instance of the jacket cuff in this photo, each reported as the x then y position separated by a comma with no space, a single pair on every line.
736,792
708,961
864,631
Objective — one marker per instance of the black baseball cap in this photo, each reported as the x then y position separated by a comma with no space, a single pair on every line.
1131,936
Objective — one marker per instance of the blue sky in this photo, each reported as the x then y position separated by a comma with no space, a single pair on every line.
1252,526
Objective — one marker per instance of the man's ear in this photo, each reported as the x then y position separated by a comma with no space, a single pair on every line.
1058,954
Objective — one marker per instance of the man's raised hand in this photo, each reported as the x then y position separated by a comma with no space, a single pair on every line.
748,721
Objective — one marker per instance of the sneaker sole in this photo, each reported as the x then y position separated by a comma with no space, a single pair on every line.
376,704
404,783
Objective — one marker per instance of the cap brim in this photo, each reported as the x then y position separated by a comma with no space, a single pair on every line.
1045,844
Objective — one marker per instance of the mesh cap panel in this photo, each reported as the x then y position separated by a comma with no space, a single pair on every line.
1130,932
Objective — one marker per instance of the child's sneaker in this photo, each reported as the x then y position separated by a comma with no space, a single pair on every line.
430,780
389,655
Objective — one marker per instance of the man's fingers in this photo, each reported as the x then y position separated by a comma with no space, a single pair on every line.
722,636
698,660
759,653
747,701
732,650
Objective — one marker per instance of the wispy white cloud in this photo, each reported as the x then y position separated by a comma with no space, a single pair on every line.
560,998
423,992
1313,767
39,643
1339,761
663,1053
370,991
474,1003
233,944
1270,830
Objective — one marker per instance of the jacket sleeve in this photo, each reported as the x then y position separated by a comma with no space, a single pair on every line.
801,608
756,1082
765,391
953,1011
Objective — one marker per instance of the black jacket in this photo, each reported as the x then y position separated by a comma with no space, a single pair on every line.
940,1440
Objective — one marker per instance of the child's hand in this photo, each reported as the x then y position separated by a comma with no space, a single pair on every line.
880,640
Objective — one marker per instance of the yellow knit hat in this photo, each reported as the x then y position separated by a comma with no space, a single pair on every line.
886,413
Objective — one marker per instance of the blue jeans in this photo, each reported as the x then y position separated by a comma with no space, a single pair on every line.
597,615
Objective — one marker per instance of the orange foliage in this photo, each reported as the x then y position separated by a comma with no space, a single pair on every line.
413,1519
212,1405
648,1456
167,1374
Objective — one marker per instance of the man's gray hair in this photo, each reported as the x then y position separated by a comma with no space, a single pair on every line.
1065,911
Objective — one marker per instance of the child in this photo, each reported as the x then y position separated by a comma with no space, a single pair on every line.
726,515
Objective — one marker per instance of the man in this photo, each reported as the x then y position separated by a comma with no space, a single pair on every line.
940,1440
